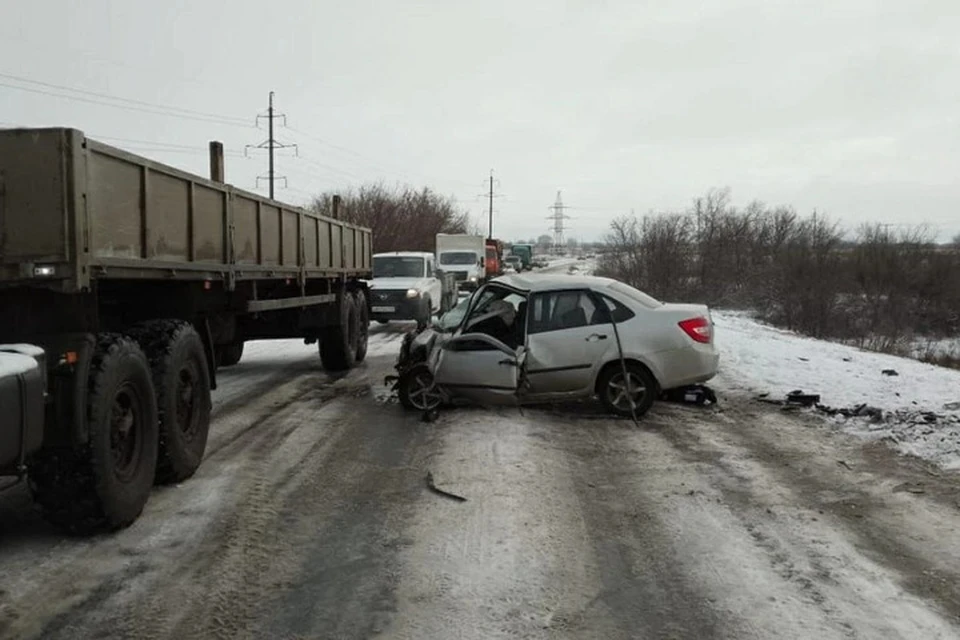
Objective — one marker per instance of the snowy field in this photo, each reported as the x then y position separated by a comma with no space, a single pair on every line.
921,404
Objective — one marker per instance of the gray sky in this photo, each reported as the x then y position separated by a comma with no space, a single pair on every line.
849,107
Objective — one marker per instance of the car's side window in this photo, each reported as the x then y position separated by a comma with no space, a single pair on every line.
561,310
619,312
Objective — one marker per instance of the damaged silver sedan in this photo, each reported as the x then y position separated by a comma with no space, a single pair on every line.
527,339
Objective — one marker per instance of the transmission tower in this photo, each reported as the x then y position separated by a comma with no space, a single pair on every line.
558,217
271,144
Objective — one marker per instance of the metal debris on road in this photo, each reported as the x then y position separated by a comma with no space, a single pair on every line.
890,372
440,492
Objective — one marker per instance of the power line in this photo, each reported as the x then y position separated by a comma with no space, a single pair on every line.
271,144
125,107
144,103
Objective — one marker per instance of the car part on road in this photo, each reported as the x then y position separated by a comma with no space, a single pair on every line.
803,399
440,492
697,394
182,385
105,485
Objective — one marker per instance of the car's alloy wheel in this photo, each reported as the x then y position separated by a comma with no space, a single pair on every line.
417,390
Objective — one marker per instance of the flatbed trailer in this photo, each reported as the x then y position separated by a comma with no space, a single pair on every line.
124,284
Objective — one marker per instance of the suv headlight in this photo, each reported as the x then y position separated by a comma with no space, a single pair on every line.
413,293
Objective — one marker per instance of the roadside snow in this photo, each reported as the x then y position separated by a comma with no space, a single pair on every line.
759,358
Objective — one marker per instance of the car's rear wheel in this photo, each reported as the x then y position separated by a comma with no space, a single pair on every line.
630,395
417,391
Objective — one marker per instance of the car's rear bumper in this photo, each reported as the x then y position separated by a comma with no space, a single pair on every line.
688,366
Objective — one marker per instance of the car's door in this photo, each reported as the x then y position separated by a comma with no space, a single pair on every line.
567,336
479,367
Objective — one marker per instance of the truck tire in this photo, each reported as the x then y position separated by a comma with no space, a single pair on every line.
182,383
338,345
104,485
363,325
229,354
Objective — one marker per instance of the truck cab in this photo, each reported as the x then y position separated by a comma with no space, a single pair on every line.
465,256
405,286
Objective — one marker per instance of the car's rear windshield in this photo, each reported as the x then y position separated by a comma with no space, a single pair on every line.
635,294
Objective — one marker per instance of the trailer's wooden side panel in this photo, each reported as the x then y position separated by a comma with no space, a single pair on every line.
114,207
210,227
101,212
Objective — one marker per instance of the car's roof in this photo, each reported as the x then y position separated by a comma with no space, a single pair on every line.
534,282
404,254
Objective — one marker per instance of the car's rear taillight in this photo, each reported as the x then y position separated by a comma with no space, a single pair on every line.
698,329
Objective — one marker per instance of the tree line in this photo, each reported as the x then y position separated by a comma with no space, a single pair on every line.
402,218
880,287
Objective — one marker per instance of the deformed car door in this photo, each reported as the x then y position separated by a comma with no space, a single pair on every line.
566,341
478,367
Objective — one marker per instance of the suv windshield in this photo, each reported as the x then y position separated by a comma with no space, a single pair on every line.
459,257
397,267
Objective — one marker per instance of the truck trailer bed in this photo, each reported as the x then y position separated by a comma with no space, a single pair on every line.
74,210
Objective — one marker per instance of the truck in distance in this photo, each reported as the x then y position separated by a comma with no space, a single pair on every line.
465,256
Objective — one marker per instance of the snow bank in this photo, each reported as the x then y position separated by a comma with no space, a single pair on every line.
759,358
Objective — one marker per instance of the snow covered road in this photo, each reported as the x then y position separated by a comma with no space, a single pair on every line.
310,518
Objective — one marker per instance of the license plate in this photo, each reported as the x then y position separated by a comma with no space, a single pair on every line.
383,309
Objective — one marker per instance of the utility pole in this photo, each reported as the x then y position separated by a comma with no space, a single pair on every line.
271,144
490,230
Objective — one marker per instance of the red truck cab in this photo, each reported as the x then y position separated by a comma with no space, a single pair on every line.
494,258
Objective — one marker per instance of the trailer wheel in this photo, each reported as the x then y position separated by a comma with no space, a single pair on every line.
229,354
363,325
105,485
182,383
338,345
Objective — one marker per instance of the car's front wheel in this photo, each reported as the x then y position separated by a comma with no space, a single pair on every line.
630,395
417,390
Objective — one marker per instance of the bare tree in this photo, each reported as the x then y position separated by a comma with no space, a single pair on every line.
402,218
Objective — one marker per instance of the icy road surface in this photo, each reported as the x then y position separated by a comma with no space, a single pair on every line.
310,518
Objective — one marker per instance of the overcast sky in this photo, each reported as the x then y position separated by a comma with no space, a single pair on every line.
850,107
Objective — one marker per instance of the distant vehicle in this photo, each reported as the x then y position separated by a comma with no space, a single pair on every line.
465,256
566,337
494,258
508,269
525,253
581,258
514,263
405,286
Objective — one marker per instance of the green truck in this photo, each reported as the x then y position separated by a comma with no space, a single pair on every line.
124,284
525,253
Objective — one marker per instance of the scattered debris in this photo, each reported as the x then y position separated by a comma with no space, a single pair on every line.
440,492
694,394
430,415
909,487
802,359
845,464
952,406
890,372
803,399
848,359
